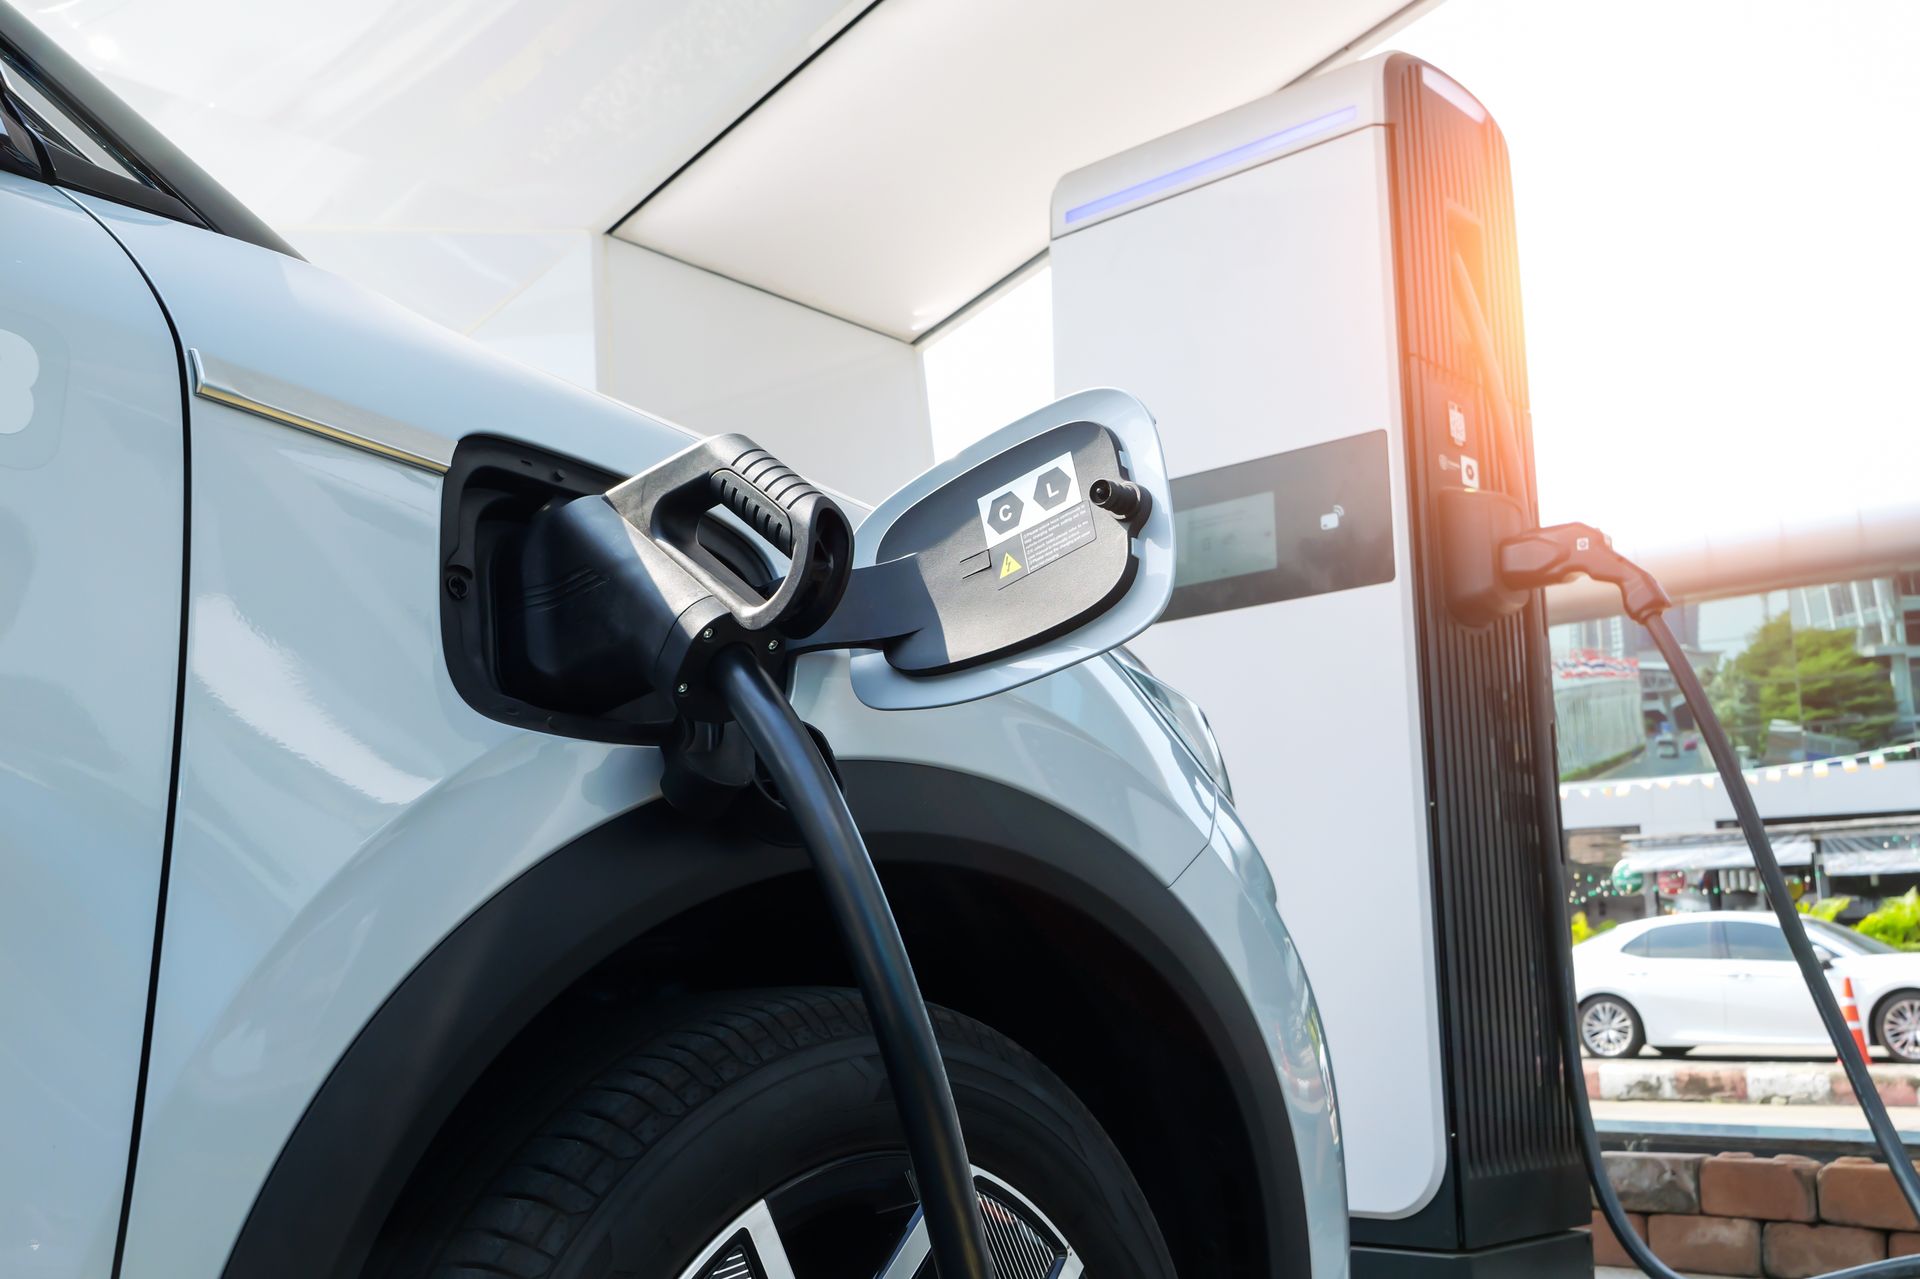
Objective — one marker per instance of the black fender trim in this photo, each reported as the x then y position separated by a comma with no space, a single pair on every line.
347,1160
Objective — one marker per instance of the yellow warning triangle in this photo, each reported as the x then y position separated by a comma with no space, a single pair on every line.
1009,566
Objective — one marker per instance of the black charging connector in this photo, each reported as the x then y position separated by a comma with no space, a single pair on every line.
1544,556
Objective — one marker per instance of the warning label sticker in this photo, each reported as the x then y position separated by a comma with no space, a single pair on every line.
1044,542
1035,519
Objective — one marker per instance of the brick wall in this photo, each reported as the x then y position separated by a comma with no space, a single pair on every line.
1787,1217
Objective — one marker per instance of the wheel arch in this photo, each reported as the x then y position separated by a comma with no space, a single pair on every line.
1612,992
1065,917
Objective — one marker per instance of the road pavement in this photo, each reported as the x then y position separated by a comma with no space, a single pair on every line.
1649,763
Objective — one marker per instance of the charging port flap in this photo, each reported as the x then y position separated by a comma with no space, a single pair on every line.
1038,547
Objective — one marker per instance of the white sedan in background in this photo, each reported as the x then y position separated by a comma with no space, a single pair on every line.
1719,977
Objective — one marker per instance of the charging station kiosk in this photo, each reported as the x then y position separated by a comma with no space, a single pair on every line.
1277,284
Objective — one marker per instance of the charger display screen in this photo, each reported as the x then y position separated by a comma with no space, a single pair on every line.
1305,522
1231,538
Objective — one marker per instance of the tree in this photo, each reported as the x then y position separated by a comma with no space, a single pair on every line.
1811,677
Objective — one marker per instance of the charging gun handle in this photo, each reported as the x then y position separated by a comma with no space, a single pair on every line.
664,505
1545,556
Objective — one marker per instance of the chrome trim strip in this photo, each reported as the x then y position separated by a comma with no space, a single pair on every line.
317,414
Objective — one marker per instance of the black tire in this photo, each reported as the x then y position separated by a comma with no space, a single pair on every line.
1896,1025
1611,1027
1671,1050
778,1095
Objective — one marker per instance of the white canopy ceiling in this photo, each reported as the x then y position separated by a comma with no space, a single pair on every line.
481,114
910,165
441,149
446,152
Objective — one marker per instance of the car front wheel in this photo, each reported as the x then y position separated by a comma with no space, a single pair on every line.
1897,1026
1609,1027
755,1138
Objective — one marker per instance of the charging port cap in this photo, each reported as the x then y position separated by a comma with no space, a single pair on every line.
1022,571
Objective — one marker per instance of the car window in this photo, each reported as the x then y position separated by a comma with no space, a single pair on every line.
1638,946
1681,941
1748,939
58,126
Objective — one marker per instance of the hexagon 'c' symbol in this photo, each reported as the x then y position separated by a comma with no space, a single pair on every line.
1004,513
1051,489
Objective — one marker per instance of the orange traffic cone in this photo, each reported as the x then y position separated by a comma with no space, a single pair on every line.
1851,1011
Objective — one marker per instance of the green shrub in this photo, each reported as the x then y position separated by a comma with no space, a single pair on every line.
1897,922
1583,931
1827,908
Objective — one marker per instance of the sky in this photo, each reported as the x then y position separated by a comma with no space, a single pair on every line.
1716,205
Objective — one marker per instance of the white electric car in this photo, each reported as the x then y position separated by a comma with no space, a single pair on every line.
319,957
1727,977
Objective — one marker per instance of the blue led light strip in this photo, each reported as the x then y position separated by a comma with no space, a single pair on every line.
1214,163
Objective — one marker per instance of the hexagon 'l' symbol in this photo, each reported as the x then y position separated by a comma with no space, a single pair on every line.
1051,489
1004,512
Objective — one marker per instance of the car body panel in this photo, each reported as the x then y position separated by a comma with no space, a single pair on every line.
1076,737
91,474
1763,994
1690,1002
1680,1001
1228,887
341,809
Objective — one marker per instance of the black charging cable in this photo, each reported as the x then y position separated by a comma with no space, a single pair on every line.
1546,556
1538,558
902,1028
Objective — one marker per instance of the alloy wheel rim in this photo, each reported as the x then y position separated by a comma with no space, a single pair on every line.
1607,1028
859,1216
1901,1028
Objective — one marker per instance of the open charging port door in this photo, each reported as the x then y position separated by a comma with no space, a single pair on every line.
1037,547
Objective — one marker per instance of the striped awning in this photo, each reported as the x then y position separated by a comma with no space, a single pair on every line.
1712,854
1871,853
